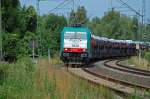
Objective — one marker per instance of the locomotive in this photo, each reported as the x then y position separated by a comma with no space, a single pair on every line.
79,46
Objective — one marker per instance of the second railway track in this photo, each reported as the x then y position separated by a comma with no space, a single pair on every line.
111,71
146,72
120,80
114,64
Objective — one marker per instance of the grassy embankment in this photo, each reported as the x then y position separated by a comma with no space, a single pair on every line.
134,61
26,80
141,63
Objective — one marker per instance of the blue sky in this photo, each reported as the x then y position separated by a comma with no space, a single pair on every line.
93,7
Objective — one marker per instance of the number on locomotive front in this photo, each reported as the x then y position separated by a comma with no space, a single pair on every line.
75,41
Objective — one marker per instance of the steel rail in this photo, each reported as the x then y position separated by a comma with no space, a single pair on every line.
113,80
118,92
137,69
126,83
126,69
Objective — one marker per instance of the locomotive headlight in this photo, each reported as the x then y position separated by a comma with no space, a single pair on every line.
65,49
84,50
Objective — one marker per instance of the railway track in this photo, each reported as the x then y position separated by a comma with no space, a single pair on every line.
133,68
109,74
126,76
114,64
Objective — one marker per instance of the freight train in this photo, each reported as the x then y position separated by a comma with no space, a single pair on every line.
79,46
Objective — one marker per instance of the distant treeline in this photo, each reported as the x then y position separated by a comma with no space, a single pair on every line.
20,28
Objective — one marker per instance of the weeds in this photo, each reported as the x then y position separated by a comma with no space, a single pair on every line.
134,61
26,80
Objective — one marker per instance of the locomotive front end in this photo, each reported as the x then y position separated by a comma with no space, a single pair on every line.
74,45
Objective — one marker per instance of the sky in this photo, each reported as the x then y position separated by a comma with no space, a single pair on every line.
93,7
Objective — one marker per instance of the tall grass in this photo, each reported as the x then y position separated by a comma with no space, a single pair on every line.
69,87
27,80
17,80
138,63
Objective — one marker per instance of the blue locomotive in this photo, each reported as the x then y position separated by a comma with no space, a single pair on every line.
79,46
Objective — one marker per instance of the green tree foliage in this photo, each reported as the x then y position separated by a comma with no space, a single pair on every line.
25,44
52,26
10,15
135,28
28,20
79,16
10,43
147,57
114,25
95,25
147,33
16,22
31,19
11,28
19,27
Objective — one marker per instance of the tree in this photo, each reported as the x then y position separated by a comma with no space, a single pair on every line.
52,25
16,22
10,43
114,25
25,44
135,28
31,19
72,17
10,14
80,16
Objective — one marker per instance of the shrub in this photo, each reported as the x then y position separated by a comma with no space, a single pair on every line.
17,79
147,57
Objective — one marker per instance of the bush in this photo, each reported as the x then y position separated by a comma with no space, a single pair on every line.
17,79
10,46
3,72
147,56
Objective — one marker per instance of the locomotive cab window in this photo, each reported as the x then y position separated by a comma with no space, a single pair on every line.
75,35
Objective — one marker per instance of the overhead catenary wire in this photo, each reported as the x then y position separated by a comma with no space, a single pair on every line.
65,2
132,9
62,7
121,6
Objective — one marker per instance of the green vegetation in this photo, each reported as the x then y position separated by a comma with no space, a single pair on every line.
141,63
20,28
115,25
147,57
17,81
20,78
26,80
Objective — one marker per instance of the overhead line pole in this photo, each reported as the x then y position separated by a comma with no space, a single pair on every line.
38,32
73,5
142,16
143,19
